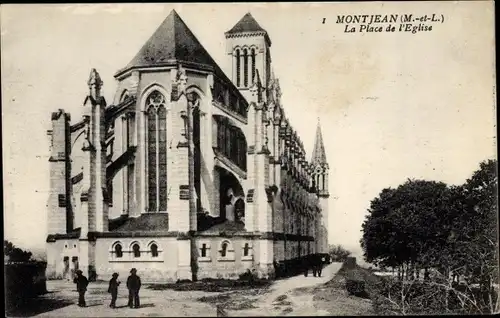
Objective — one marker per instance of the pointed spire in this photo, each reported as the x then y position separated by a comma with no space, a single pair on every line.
249,26
319,155
246,24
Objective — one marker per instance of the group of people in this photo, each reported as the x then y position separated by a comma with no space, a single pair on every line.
133,286
316,264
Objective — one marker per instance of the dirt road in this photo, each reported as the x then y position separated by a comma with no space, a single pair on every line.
289,296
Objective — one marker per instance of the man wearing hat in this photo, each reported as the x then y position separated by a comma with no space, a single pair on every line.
113,289
81,286
133,285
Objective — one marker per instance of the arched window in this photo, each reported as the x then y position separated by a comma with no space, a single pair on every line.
253,64
118,250
245,68
238,68
223,251
136,249
154,250
239,207
156,152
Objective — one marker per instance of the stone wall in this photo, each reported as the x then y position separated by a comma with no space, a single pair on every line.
161,268
215,265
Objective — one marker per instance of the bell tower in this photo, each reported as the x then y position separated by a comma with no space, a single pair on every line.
248,48
320,173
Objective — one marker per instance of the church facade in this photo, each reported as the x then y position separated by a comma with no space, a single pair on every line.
187,174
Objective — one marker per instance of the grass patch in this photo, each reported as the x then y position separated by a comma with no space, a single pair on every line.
281,298
343,295
212,285
230,301
286,310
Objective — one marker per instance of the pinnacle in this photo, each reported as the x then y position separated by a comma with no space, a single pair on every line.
319,155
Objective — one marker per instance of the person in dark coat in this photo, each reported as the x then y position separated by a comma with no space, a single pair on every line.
318,265
113,289
133,285
81,286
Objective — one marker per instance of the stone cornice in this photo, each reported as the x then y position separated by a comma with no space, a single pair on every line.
92,236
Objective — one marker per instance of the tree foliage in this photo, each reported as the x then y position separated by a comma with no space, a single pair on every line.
428,224
339,253
15,254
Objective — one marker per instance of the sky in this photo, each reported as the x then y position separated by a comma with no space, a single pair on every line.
392,106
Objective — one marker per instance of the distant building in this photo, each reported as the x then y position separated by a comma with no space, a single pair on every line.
188,172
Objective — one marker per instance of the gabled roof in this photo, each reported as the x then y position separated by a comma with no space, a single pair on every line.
248,24
318,154
172,42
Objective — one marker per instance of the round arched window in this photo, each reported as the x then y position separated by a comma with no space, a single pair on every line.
137,250
223,251
154,250
118,250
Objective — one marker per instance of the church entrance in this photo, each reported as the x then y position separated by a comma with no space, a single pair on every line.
66,270
231,194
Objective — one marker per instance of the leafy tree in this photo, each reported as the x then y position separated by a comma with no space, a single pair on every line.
402,224
339,253
15,254
453,229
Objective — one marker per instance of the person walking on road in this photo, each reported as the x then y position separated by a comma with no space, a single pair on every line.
81,286
133,285
113,289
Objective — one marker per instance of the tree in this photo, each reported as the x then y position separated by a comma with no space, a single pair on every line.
339,253
15,254
401,228
453,229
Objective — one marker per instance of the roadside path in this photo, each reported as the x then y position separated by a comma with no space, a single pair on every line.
290,297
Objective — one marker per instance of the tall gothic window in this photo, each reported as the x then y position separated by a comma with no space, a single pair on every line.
245,68
253,65
231,143
238,69
156,152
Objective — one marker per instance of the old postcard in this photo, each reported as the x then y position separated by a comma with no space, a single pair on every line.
249,159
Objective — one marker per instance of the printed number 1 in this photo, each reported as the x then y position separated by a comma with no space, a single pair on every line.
324,20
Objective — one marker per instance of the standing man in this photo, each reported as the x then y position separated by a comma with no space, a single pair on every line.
113,289
81,286
319,264
133,285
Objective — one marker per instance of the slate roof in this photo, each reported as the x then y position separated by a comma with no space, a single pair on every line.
172,42
74,234
318,154
145,222
226,226
247,24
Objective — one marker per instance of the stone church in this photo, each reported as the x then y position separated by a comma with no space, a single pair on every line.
188,173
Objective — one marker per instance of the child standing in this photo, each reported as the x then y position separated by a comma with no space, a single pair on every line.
113,289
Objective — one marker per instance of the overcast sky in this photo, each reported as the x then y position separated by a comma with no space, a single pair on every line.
393,106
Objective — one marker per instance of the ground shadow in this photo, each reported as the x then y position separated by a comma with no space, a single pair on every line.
36,306
147,305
